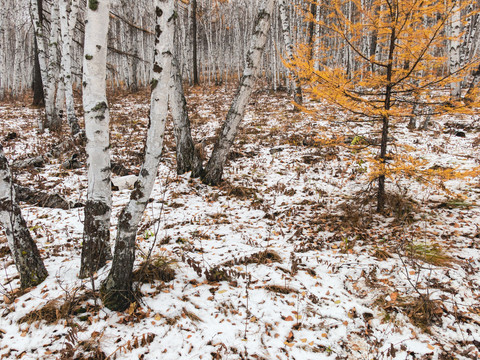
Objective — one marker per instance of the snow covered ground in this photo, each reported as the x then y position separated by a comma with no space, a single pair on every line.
285,260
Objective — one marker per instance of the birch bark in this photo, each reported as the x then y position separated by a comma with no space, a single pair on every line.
96,248
53,119
25,253
36,9
117,289
454,51
289,49
214,169
68,19
188,158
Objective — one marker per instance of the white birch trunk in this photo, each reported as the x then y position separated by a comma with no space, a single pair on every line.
96,248
289,49
214,169
42,59
454,51
68,19
53,120
25,253
117,289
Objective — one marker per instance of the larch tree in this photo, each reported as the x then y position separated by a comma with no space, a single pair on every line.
25,253
117,291
214,169
396,81
96,241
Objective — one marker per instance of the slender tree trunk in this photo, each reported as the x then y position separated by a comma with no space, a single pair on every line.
188,158
38,97
36,12
385,122
25,253
117,289
454,51
54,118
289,48
96,248
68,20
194,42
214,169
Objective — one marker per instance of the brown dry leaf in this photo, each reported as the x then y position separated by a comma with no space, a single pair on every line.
289,318
394,296
324,335
431,347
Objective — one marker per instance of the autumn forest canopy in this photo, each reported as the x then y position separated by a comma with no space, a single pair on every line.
240,179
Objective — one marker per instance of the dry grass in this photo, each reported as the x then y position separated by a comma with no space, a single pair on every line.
279,289
156,268
429,253
56,310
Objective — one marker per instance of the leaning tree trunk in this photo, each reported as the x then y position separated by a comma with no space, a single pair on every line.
68,20
289,48
214,169
25,252
117,292
96,248
188,158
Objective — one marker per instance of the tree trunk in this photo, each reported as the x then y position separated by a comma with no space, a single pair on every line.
38,97
53,119
96,247
454,51
289,49
25,253
68,20
188,158
214,170
117,292
194,42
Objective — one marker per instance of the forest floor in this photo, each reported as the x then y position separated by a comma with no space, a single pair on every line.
287,259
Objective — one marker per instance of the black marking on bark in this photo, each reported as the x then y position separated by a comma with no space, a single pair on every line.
93,4
158,11
157,68
158,31
88,57
144,172
100,106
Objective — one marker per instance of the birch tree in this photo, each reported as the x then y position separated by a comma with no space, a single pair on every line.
25,253
454,51
96,248
214,169
289,49
68,19
117,289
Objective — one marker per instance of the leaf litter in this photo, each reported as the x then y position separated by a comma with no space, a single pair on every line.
285,260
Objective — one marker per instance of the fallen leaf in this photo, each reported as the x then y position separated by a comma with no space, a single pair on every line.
289,318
